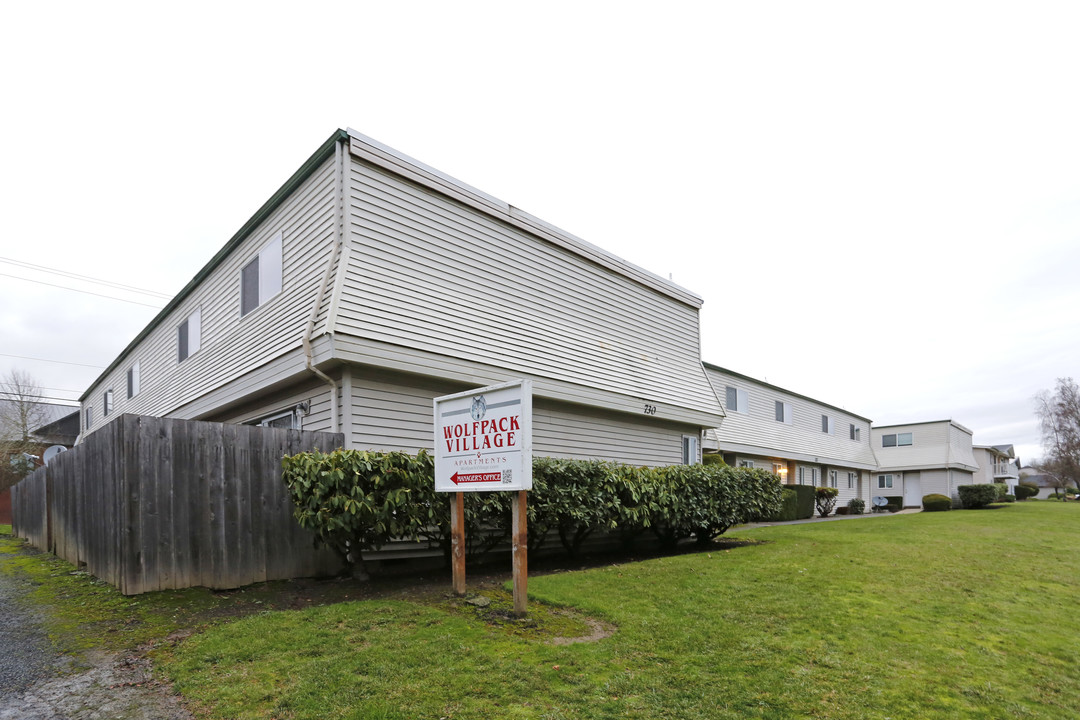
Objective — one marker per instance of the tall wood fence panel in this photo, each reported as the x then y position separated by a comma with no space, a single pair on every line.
151,503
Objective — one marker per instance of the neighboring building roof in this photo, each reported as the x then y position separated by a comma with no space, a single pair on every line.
60,432
50,412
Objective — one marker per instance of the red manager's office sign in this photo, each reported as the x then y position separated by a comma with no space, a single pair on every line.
483,439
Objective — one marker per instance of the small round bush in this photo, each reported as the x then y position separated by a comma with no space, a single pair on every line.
936,502
1026,490
856,506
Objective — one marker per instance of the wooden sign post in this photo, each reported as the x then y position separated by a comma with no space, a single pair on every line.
483,443
457,541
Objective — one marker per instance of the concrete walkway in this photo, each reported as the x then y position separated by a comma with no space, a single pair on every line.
831,518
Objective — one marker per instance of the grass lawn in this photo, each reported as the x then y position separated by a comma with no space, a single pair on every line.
972,614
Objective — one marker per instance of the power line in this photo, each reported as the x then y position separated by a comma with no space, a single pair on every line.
87,292
87,278
62,362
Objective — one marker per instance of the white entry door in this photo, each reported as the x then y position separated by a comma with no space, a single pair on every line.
912,490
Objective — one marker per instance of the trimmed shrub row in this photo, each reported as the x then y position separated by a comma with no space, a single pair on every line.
356,500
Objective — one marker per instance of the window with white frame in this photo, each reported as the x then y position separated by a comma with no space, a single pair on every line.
746,463
107,403
689,449
884,482
89,417
897,440
827,425
289,420
133,380
856,432
802,475
783,412
851,481
260,279
738,400
189,336
779,470
813,476
832,479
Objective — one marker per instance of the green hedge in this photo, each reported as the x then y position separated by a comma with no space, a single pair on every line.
806,497
356,500
1002,491
935,502
789,505
977,496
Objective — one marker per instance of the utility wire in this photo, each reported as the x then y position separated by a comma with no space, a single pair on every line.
87,278
87,292
62,362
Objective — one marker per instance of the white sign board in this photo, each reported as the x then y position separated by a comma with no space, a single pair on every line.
483,439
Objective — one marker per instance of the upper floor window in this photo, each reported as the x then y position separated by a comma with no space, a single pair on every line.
827,425
107,402
896,440
783,412
856,432
738,400
89,417
189,336
260,279
133,380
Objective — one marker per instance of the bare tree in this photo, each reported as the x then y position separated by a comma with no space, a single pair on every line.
1059,417
22,410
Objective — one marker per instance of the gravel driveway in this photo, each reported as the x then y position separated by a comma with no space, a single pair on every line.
38,684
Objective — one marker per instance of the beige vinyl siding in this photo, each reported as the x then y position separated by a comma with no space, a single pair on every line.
431,274
392,411
313,392
758,427
961,451
929,448
231,346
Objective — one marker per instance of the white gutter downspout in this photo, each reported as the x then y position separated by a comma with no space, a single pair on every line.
334,253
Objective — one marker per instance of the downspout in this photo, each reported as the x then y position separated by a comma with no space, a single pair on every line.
334,253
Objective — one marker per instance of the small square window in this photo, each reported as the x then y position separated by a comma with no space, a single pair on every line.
738,400
189,336
689,450
746,463
133,380
884,481
260,279
888,440
903,439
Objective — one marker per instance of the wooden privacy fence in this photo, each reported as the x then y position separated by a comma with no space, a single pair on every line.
150,503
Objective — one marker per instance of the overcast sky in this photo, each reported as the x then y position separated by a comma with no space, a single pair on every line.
879,207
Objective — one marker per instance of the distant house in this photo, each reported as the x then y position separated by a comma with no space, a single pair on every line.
371,283
804,441
63,431
997,464
922,458
1047,484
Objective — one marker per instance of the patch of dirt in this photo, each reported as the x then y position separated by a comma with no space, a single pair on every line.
114,687
598,631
